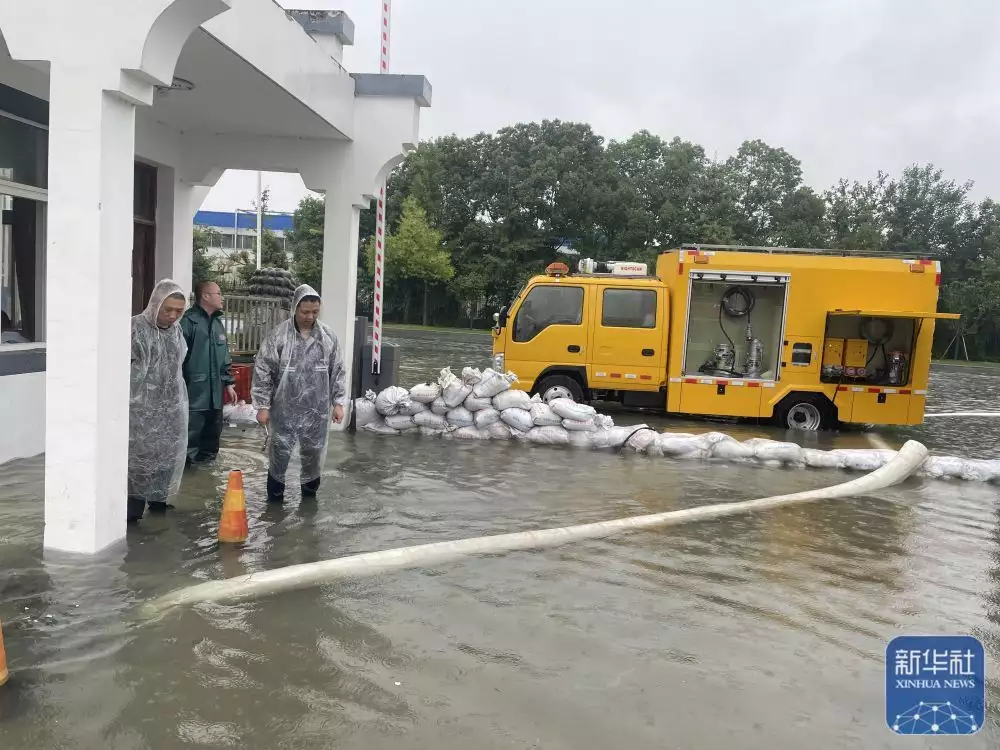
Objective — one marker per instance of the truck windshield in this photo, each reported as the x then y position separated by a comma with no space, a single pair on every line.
548,305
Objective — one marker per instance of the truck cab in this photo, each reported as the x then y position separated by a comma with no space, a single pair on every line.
599,335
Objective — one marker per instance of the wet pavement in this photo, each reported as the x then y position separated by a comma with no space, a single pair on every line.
745,632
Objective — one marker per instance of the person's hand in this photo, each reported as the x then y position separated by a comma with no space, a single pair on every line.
231,392
338,414
264,417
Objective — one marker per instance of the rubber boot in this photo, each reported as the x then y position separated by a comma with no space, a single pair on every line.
136,507
159,508
310,488
275,490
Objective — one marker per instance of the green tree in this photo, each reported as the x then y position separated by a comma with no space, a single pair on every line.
202,265
415,258
305,242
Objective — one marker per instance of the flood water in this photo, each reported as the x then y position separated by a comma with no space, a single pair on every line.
743,632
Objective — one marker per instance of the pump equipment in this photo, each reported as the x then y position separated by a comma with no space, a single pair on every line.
736,302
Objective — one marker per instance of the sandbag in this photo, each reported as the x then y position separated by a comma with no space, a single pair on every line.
493,383
469,433
414,408
512,399
616,436
379,427
499,431
548,436
400,422
775,450
732,449
364,409
978,470
431,431
567,408
439,407
818,459
581,439
603,422
576,426
640,441
473,403
865,460
471,376
682,445
460,417
943,467
430,420
519,419
453,390
425,393
486,417
391,400
542,414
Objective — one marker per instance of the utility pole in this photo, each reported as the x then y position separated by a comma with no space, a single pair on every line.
260,218
379,289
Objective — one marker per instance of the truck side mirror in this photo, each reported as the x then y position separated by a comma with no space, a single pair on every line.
500,318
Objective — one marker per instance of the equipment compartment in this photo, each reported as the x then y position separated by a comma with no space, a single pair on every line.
735,325
870,350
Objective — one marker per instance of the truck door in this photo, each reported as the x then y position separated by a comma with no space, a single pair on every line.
547,330
629,339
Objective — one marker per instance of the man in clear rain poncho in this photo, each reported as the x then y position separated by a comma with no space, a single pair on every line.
298,385
158,403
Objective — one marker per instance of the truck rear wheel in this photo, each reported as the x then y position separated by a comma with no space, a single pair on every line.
559,386
804,411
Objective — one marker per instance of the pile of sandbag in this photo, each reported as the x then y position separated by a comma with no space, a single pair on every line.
483,406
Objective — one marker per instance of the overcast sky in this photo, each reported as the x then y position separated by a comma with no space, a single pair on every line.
847,86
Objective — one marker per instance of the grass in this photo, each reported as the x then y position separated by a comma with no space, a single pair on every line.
441,329
965,363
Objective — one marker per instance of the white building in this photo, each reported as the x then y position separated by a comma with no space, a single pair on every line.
116,118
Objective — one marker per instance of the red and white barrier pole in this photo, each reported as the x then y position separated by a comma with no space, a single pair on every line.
379,288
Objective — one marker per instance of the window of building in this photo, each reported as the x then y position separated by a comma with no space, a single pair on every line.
23,182
628,308
545,306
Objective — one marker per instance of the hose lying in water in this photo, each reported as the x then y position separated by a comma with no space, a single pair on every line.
256,585
964,414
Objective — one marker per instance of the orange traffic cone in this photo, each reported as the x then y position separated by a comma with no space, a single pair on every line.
3,659
233,522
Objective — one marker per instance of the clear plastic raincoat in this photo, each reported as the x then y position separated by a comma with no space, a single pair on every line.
158,404
299,380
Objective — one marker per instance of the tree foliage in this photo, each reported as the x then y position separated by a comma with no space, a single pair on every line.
506,203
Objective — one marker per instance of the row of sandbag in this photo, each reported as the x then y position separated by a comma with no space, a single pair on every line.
462,408
479,405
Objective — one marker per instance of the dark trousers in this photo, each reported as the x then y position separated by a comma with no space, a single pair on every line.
152,487
311,445
204,431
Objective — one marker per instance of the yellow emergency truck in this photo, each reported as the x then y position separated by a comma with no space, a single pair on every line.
806,338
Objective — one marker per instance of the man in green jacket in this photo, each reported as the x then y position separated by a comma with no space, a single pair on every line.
207,371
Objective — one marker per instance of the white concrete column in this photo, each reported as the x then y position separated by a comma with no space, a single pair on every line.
91,153
174,228
340,271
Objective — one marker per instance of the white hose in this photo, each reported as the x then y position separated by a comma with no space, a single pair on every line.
254,585
964,414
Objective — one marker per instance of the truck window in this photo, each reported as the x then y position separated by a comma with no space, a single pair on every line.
548,305
628,308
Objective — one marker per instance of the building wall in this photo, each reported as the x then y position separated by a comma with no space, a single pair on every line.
22,404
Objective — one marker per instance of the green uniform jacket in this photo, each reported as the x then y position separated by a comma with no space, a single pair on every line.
207,367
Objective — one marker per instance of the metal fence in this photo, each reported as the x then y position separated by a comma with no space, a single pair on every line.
249,319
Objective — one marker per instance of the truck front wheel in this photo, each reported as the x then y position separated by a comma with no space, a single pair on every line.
559,386
804,411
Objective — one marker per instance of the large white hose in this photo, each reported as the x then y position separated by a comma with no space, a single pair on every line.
964,414
255,585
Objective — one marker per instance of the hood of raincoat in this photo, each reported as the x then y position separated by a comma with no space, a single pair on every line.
161,291
301,291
